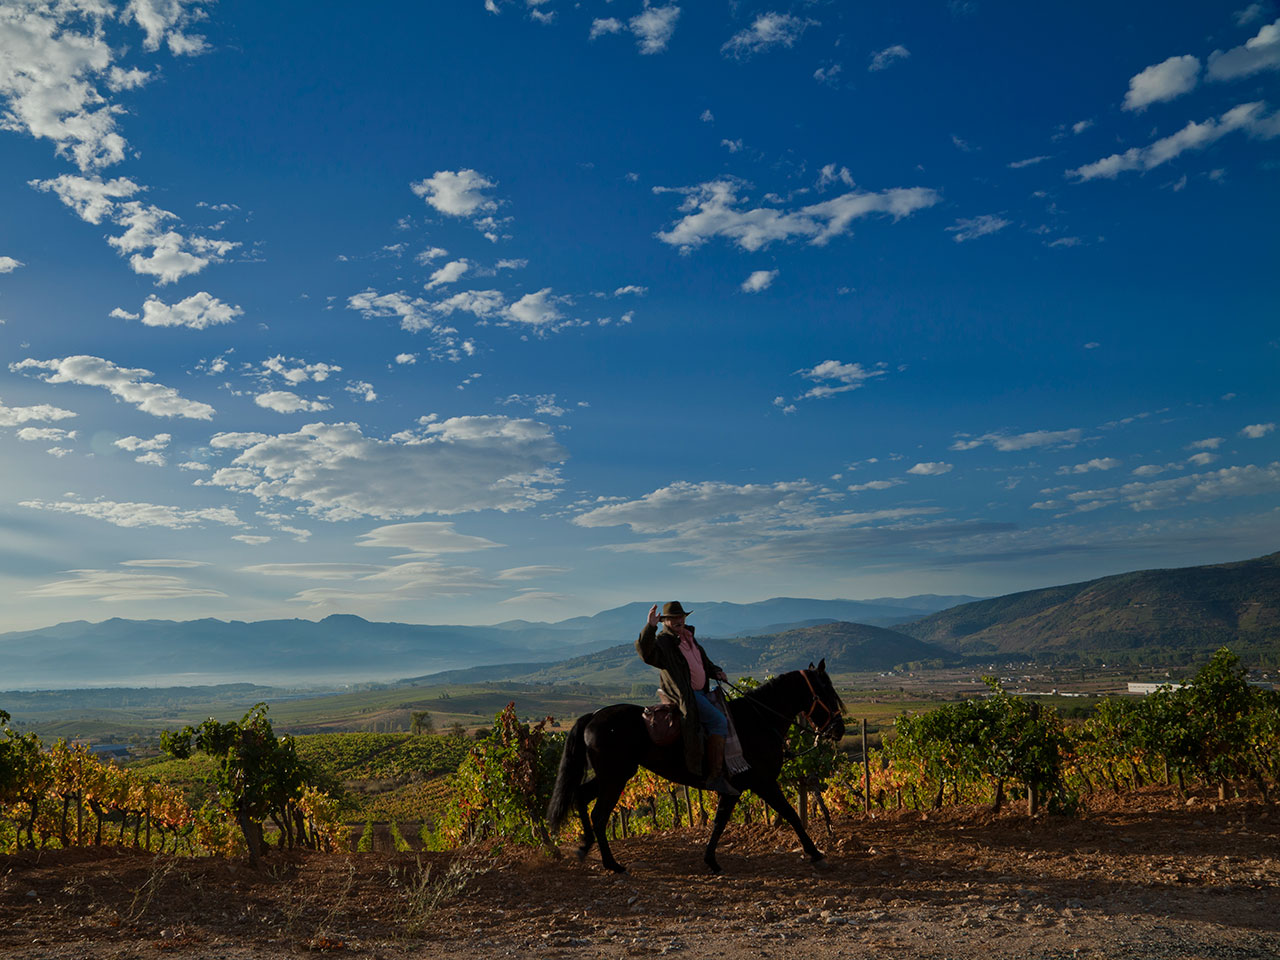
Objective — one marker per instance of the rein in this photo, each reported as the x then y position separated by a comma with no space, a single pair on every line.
806,714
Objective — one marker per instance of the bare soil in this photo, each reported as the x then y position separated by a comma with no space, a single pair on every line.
1141,876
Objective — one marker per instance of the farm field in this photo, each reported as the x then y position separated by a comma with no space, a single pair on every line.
1139,876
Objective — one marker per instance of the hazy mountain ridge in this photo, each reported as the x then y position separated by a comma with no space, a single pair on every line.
345,648
1175,612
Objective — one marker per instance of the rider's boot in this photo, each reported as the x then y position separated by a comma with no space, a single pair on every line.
715,768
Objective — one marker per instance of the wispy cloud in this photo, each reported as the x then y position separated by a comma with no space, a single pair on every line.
759,280
767,31
982,226
128,384
888,57
1020,441
1161,82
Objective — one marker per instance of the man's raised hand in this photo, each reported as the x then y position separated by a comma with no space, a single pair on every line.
653,615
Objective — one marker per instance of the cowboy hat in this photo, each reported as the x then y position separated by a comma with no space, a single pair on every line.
673,609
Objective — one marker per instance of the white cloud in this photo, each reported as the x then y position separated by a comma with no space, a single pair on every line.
139,514
45,434
481,304
1029,162
1250,14
759,280
931,468
684,504
165,21
1259,53
1228,482
733,146
8,264
1149,470
133,444
1256,431
1209,443
603,26
977,227
830,174
194,465
39,413
92,198
282,401
312,571
456,193
1161,82
1194,136
711,211
1098,463
423,540
453,466
1020,441
1202,459
197,312
535,309
406,359
829,75
888,57
431,253
50,55
653,28
361,390
450,272
768,30
298,371
117,587
631,288
875,485
835,376
252,539
123,382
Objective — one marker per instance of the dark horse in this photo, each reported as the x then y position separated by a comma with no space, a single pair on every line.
615,742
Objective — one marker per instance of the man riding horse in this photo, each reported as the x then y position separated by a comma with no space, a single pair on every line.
686,675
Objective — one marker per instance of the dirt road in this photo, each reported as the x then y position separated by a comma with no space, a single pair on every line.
1140,878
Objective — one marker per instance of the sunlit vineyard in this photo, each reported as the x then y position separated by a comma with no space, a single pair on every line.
1215,732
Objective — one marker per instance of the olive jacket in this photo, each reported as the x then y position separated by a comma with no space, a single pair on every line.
662,650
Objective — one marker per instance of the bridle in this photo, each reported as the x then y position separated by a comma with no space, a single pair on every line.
818,729
807,714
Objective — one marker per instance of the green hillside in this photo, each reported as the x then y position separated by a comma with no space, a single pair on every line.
1167,616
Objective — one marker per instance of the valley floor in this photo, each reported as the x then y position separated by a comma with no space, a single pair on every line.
1141,876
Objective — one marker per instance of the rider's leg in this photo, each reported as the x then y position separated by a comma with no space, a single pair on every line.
717,728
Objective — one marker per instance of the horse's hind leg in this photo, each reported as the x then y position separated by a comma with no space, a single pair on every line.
724,810
582,798
607,794
772,794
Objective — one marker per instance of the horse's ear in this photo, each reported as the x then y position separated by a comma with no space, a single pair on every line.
822,665
811,666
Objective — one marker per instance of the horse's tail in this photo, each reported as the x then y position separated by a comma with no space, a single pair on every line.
573,763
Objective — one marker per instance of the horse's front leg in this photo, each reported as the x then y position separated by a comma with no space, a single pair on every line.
607,794
772,795
724,810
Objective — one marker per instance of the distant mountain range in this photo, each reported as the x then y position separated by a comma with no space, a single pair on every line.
1164,616
349,649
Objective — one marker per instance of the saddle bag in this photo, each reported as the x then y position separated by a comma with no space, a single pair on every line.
662,720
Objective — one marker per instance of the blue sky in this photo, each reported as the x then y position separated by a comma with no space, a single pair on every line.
475,311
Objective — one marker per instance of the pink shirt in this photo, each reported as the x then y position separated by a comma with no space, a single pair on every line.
697,673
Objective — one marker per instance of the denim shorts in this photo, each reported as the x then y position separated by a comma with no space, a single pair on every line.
714,721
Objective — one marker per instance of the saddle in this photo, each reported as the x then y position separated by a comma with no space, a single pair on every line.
662,720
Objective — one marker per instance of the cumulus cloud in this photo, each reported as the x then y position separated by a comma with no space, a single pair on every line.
138,514
888,57
1257,54
713,209
457,193
1098,463
603,26
127,384
1020,441
834,376
1249,117
1256,431
653,28
9,264
767,31
110,586
40,413
450,272
875,485
759,280
45,434
414,313
931,468
282,401
92,198
1161,82
298,371
197,312
977,227
134,444
453,466
535,309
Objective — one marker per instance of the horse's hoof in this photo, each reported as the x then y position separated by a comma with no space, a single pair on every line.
582,852
822,865
713,866
616,867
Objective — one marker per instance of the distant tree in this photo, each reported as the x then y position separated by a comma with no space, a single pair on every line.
421,723
456,729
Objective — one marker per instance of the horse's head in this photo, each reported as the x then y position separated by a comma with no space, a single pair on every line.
826,713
